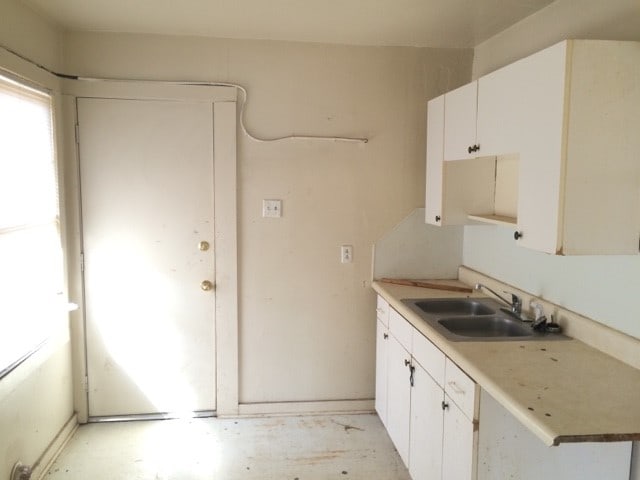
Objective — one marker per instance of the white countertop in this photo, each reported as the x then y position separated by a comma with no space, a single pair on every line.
563,391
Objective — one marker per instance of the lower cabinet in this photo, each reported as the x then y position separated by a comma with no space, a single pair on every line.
458,444
382,342
432,411
427,404
427,423
399,397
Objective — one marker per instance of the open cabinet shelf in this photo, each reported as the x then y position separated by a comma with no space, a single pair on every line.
494,219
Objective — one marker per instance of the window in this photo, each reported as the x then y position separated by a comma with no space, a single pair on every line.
31,261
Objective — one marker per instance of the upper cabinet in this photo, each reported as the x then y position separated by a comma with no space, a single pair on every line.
563,126
460,123
455,185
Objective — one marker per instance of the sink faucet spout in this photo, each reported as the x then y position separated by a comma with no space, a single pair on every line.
515,305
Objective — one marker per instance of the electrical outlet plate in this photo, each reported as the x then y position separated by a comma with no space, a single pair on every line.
271,208
21,472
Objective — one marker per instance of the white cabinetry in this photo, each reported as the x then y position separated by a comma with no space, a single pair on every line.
570,115
422,420
399,386
458,445
382,356
459,439
454,187
579,169
435,161
460,123
425,451
399,398
500,109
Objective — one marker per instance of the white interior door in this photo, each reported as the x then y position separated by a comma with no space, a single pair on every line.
147,204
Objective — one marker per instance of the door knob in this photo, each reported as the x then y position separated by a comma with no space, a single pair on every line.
206,285
203,246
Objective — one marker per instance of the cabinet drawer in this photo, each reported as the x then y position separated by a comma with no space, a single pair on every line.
429,357
461,389
382,311
400,329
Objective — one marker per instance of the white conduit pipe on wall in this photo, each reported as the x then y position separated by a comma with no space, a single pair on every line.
195,83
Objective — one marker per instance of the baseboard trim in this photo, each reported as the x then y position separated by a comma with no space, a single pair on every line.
152,416
49,456
306,408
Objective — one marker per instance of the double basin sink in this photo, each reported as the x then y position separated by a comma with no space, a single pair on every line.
475,319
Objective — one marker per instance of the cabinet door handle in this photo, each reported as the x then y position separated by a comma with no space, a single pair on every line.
445,405
437,218
406,362
473,148
517,235
385,335
456,389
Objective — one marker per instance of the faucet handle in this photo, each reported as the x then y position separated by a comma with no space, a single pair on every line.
516,302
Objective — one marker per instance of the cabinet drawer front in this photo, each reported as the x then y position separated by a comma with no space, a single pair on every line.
429,357
461,389
400,329
382,311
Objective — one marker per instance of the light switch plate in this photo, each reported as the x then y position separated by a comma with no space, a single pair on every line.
272,208
346,253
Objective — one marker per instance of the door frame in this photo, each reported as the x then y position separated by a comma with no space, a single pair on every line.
225,222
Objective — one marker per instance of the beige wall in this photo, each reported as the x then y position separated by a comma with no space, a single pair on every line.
306,328
35,403
25,32
562,19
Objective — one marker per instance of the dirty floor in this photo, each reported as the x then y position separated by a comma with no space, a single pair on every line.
345,447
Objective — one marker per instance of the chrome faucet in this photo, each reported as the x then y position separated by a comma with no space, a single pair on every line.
515,305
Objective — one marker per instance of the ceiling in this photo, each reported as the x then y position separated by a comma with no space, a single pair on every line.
421,23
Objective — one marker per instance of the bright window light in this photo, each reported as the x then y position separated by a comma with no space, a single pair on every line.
31,262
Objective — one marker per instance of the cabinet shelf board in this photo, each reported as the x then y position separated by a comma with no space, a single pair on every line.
494,219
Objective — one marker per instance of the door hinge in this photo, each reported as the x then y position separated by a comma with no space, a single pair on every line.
82,262
85,384
77,128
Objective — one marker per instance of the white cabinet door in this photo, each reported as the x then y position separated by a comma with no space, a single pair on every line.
425,452
382,340
458,449
500,111
399,398
435,156
541,166
460,109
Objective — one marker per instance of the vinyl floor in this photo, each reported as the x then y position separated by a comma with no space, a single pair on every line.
323,447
